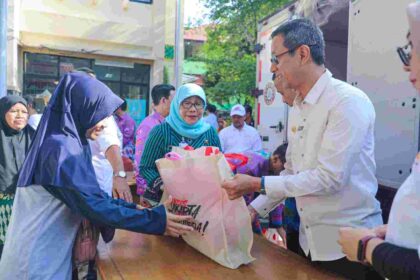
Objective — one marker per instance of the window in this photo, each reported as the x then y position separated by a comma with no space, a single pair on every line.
42,73
130,83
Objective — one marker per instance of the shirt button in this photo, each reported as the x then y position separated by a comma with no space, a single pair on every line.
297,172
306,227
304,120
303,155
301,209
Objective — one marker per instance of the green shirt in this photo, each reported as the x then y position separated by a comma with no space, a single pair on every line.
161,140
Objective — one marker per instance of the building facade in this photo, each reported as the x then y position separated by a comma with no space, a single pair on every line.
123,41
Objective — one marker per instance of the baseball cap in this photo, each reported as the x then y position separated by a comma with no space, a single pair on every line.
237,110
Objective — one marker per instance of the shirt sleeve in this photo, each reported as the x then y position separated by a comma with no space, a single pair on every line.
394,262
109,135
264,204
342,142
103,210
153,150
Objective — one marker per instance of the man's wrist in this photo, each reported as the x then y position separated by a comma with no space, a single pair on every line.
121,174
262,185
257,184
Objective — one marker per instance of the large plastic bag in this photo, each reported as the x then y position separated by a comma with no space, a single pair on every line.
222,227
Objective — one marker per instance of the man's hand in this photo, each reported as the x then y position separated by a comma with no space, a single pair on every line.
120,189
282,232
240,185
174,226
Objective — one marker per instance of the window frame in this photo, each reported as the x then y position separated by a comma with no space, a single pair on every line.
150,2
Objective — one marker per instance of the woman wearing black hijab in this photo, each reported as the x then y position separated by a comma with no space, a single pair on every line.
57,186
15,137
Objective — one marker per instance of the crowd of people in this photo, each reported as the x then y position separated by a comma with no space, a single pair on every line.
66,168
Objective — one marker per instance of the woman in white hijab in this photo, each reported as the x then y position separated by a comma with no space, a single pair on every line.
394,249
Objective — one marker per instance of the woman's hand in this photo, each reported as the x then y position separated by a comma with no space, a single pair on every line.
381,231
174,226
349,240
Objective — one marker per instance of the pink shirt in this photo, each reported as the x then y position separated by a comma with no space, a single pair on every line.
141,136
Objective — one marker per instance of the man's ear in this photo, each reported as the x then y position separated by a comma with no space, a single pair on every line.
304,52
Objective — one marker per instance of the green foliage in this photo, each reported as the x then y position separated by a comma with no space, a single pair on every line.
229,50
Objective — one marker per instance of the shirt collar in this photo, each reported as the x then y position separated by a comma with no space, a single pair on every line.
316,91
158,116
239,129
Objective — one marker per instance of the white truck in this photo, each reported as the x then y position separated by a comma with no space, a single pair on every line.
361,42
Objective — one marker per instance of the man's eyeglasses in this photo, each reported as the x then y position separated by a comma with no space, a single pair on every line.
405,54
188,105
275,57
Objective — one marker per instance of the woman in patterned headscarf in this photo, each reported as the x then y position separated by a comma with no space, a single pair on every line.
184,126
15,137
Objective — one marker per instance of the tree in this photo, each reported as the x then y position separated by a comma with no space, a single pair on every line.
229,50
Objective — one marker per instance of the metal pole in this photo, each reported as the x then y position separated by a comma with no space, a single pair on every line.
3,48
177,43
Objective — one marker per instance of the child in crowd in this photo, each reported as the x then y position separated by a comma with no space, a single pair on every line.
284,217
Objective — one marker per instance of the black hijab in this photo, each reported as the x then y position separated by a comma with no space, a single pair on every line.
13,146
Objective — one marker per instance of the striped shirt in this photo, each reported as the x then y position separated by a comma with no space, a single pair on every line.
161,140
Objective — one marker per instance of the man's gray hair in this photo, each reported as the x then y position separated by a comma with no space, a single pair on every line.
299,32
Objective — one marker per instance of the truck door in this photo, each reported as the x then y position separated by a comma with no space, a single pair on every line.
376,29
272,112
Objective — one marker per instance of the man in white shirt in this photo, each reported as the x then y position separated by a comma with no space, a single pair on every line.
330,166
107,162
34,116
211,117
239,137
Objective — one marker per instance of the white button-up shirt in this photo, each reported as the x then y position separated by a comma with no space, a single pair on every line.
404,218
330,167
111,135
235,140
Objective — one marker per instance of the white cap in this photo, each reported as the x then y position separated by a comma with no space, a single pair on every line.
237,110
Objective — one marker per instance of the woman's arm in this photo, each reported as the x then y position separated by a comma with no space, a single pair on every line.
392,261
389,260
153,150
104,210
